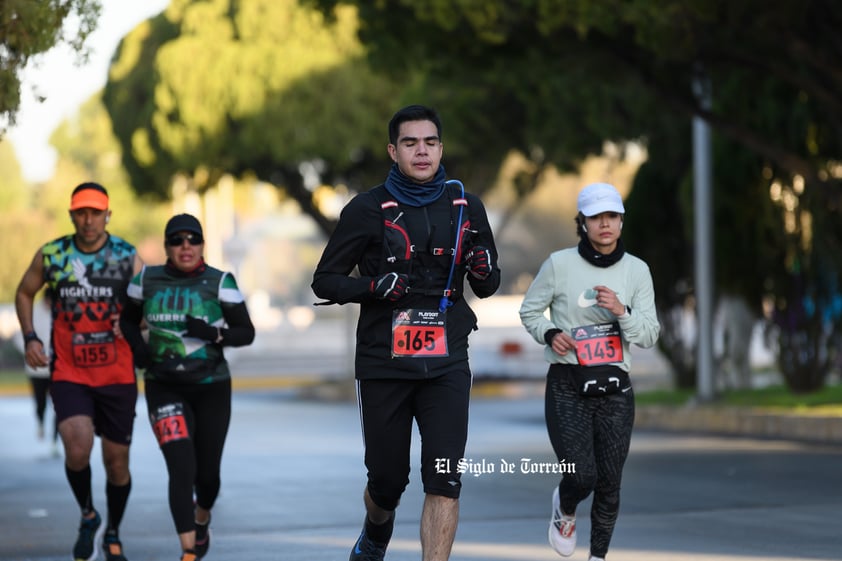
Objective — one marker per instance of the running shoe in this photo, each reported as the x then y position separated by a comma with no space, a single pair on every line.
112,549
562,529
203,536
189,556
90,534
367,550
593,558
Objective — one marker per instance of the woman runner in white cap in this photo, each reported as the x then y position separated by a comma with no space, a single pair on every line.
600,300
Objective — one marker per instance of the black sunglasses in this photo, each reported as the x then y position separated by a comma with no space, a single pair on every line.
178,239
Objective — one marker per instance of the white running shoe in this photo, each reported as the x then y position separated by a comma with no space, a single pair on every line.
592,558
562,529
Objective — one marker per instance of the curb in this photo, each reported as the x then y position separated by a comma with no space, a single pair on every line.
736,421
250,383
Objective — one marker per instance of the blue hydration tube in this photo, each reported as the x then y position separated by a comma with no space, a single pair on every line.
445,301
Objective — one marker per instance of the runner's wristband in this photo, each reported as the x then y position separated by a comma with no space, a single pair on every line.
550,334
31,336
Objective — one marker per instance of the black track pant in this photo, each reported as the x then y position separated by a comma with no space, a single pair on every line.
190,422
40,391
593,434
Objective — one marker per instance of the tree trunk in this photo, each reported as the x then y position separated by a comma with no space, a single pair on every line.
805,359
678,345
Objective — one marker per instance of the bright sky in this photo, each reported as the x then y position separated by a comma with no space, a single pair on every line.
66,86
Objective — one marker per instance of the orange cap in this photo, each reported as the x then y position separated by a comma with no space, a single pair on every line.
89,198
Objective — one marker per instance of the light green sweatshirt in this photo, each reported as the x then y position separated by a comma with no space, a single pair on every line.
564,286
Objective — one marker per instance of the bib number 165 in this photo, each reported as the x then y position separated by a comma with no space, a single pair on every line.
414,341
419,333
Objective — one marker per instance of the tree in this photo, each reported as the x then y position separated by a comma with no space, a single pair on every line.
88,151
568,74
259,87
665,44
15,204
209,88
13,189
28,29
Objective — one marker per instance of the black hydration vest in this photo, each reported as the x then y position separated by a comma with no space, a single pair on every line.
429,260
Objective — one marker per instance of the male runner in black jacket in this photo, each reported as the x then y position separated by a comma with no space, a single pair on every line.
414,240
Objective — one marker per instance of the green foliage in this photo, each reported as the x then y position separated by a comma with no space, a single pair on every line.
14,378
502,82
22,226
663,397
13,188
782,397
567,74
133,103
662,44
89,151
29,28
22,221
827,400
260,86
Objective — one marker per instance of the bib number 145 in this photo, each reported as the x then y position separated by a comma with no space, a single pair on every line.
598,344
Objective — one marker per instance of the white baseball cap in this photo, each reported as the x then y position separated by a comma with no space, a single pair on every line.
597,198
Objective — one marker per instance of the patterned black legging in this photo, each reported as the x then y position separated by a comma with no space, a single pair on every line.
593,434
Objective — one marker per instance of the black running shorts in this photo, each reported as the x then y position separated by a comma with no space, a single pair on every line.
387,409
112,408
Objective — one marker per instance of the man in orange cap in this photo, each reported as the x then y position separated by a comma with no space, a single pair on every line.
93,386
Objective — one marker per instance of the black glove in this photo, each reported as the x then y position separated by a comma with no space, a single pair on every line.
200,329
478,262
140,355
391,286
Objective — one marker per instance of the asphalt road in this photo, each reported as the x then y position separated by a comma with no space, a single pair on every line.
293,480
